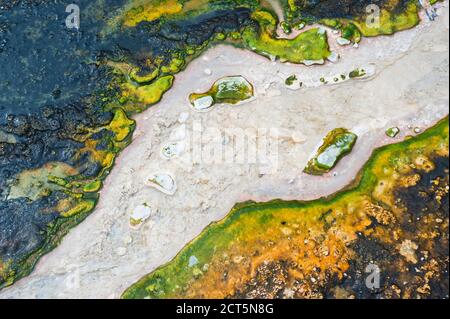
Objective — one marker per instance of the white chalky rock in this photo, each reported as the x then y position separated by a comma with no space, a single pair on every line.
208,72
172,150
140,214
193,261
204,103
322,30
343,41
313,62
333,57
162,182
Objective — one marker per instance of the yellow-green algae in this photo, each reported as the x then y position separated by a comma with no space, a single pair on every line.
37,183
310,235
336,144
6,273
390,22
138,92
121,125
395,15
392,132
230,89
311,45
75,209
92,187
150,10
137,11
83,206
348,30
290,80
137,76
357,73
140,98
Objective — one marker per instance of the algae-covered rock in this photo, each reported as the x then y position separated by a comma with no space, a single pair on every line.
172,150
162,182
351,33
203,103
343,41
286,27
291,80
232,90
392,132
357,73
229,90
140,214
93,186
337,144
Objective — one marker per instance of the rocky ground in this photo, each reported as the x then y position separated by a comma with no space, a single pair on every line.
105,255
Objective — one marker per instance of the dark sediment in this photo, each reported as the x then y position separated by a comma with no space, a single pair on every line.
321,9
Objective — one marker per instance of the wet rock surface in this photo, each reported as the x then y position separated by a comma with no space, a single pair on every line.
22,224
